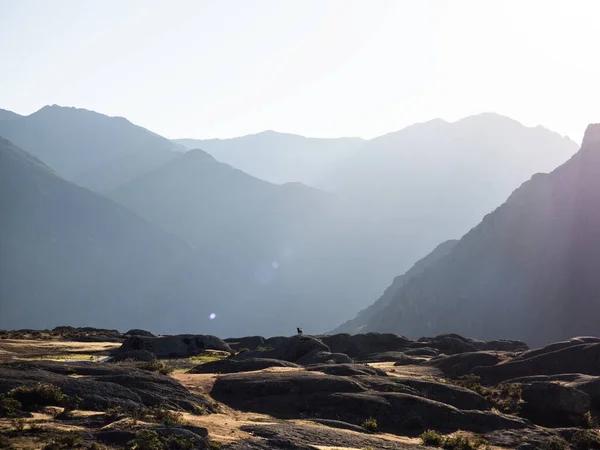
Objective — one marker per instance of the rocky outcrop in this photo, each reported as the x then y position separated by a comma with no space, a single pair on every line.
463,363
244,365
347,370
179,346
364,344
351,399
101,386
583,358
554,405
248,342
134,355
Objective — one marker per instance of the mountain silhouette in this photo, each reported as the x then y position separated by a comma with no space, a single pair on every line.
70,256
278,157
528,271
88,148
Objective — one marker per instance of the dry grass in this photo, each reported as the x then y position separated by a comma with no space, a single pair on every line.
56,349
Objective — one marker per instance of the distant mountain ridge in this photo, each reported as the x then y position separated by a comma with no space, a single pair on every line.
278,157
527,271
88,148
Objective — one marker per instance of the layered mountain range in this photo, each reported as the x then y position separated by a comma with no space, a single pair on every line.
171,236
528,271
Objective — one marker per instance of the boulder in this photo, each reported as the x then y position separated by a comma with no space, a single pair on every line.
275,341
249,342
138,332
399,357
463,363
582,358
102,386
320,357
554,405
451,344
135,355
363,344
179,346
236,366
421,351
505,345
558,346
347,370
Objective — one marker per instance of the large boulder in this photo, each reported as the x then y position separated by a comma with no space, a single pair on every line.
138,332
554,405
463,363
134,355
298,346
451,344
505,345
248,342
583,358
352,400
179,346
244,365
102,386
363,344
321,357
399,357
558,346
347,370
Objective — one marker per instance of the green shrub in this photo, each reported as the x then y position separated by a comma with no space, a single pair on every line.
555,443
212,445
462,443
146,440
165,416
432,438
473,383
18,424
65,441
370,424
179,443
33,398
9,407
263,349
199,410
156,366
589,420
585,440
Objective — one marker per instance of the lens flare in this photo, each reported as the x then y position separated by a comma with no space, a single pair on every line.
212,316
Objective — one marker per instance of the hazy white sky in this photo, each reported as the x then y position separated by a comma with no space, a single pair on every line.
313,67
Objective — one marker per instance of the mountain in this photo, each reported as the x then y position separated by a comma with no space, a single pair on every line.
69,256
528,271
434,181
8,115
365,316
278,157
87,148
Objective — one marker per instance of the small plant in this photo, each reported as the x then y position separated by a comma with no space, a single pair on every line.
473,383
18,424
166,417
462,443
9,406
199,410
585,440
179,443
589,420
33,398
370,424
432,438
65,441
146,440
156,366
243,350
263,349
213,445
555,443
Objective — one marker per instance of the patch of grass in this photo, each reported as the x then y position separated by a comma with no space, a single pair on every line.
243,350
212,445
199,410
473,383
555,443
65,441
9,406
370,424
165,416
179,443
146,440
589,420
33,398
156,366
5,443
432,438
585,440
462,443
263,349
18,424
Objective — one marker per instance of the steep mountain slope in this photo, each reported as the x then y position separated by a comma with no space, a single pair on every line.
8,115
366,315
69,256
528,271
434,181
87,148
278,157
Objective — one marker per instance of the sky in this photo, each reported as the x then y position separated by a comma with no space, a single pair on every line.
324,68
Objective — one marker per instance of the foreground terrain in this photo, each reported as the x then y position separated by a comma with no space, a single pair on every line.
101,389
